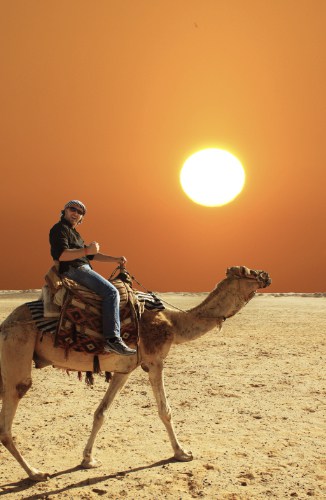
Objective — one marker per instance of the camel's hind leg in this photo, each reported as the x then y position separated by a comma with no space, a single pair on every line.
156,379
117,382
16,365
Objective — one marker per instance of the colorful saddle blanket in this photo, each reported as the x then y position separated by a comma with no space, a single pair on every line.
79,326
80,323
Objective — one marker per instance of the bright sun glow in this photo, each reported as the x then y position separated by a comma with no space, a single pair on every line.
212,177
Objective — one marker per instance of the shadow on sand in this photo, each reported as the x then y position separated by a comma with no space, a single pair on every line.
25,484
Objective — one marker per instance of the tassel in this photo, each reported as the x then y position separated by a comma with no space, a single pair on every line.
96,365
108,376
89,379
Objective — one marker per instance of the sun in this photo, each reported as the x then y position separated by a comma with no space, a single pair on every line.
212,177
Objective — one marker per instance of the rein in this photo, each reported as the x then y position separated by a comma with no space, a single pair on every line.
124,270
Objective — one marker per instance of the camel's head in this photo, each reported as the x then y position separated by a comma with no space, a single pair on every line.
239,287
241,272
234,292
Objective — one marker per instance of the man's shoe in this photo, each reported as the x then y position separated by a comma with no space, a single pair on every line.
118,346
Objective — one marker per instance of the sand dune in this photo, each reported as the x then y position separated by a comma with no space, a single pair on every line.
249,402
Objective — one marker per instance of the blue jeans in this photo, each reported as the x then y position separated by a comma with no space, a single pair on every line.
85,276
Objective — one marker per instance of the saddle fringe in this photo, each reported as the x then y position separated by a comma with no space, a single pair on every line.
89,377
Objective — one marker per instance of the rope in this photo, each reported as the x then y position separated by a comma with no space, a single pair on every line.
153,294
124,270
113,273
220,318
121,268
175,307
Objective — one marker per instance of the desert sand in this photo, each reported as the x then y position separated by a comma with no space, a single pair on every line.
249,402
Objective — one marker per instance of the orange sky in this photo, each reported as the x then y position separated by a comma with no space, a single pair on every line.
103,101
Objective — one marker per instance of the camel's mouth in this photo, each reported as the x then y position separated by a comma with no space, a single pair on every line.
262,277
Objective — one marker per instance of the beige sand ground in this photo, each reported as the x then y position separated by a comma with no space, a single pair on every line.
249,403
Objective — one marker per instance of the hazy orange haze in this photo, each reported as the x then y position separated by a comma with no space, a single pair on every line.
103,101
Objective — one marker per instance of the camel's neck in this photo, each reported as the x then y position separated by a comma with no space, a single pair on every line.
190,325
225,301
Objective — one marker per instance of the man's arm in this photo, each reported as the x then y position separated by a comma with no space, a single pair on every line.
77,253
101,257
72,254
91,249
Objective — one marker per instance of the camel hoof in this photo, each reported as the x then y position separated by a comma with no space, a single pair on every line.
36,475
183,456
91,463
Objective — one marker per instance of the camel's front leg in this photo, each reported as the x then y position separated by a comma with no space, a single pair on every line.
117,382
164,410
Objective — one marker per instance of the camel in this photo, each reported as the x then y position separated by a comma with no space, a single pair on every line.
20,344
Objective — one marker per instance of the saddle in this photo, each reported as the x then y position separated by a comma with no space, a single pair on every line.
79,312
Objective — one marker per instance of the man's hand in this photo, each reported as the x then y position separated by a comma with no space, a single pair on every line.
122,260
93,248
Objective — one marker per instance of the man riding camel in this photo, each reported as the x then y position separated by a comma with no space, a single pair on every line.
68,247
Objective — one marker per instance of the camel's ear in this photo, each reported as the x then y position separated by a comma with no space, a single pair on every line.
235,271
245,271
